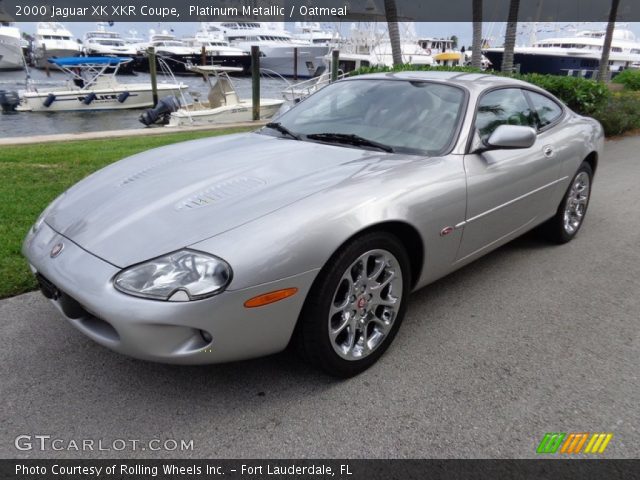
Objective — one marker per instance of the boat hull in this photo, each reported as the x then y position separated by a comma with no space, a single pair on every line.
10,53
547,64
280,60
140,96
241,112
178,63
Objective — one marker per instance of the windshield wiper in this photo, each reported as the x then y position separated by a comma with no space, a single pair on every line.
349,139
282,129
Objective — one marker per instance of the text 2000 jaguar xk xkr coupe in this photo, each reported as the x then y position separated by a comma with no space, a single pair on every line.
316,228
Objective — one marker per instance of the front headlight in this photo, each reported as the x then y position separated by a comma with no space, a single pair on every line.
178,277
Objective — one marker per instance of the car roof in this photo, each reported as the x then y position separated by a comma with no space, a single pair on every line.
471,81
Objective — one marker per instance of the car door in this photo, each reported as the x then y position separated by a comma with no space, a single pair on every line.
508,190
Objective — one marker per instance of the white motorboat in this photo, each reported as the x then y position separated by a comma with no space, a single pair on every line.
92,85
223,105
53,40
276,47
10,47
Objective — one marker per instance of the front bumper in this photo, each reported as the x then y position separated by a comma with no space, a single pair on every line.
80,285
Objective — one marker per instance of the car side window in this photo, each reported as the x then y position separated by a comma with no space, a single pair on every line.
546,109
506,106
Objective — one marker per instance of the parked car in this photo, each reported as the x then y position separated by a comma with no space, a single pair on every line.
315,228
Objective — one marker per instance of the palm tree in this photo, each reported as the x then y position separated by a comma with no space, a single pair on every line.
606,48
391,13
476,54
510,36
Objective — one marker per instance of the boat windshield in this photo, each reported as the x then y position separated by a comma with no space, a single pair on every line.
416,117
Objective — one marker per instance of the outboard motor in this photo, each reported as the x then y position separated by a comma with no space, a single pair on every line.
161,113
9,100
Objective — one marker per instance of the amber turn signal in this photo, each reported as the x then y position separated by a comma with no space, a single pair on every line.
271,297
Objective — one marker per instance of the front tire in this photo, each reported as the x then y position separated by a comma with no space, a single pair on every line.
566,223
356,305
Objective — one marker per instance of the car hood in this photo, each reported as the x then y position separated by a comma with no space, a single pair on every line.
168,198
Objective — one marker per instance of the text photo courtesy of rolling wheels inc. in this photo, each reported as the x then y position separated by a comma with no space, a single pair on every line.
379,239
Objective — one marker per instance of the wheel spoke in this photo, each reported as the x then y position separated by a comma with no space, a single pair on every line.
380,266
345,320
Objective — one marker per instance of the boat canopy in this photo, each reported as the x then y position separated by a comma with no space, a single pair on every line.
82,61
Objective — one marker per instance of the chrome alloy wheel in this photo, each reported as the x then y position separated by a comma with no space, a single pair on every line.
365,304
577,201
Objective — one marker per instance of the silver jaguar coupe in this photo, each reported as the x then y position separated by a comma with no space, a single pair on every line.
315,229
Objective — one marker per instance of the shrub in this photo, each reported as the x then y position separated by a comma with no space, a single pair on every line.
581,95
629,78
620,114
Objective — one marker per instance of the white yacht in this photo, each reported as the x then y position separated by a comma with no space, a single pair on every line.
312,33
277,47
102,42
10,47
176,53
53,40
573,55
218,51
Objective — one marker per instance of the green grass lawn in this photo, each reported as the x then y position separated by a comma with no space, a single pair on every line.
33,175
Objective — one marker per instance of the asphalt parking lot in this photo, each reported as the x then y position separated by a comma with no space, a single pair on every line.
530,339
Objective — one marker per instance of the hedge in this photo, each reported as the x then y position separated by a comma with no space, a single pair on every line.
629,78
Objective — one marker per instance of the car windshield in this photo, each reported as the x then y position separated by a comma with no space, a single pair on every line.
406,116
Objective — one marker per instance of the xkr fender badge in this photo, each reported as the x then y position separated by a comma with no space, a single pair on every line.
446,231
56,250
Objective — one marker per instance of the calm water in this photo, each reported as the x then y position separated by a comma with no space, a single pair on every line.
43,123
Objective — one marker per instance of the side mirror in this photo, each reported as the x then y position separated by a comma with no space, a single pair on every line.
512,136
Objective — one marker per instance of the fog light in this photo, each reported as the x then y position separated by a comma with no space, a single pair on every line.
206,336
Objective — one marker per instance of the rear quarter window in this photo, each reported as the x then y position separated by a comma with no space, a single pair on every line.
547,110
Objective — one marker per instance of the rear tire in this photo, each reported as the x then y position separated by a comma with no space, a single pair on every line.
566,223
356,305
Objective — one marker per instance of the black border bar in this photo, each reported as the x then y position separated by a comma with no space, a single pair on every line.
308,10
543,469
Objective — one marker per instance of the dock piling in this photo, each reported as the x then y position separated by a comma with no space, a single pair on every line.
335,58
154,74
255,80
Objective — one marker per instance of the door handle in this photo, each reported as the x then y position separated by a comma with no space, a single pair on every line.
548,151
